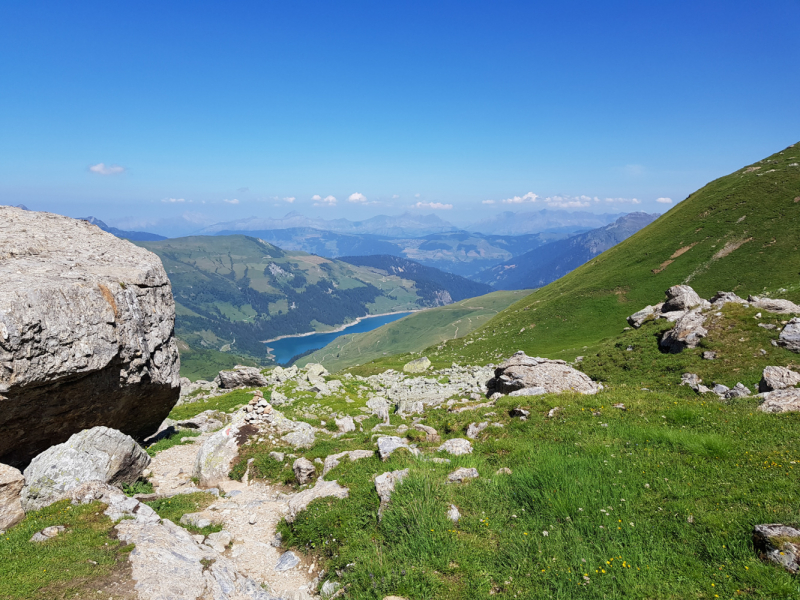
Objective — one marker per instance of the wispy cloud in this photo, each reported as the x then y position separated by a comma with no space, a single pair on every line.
357,197
395,196
664,200
326,201
173,200
103,169
559,201
488,202
234,201
623,201
433,205
529,197
289,199
416,195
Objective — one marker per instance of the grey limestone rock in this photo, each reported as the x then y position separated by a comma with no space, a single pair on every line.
555,376
720,299
419,365
681,297
529,391
453,514
738,391
385,484
11,483
456,447
687,332
779,544
780,401
195,520
322,489
333,461
241,376
277,456
462,474
790,336
288,560
431,434
304,470
410,407
345,424
475,429
216,455
301,436
86,334
219,540
96,454
648,312
774,305
777,378
47,533
379,407
387,444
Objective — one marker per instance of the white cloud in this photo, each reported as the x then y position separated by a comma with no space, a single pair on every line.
289,199
395,196
234,201
173,200
357,197
433,205
102,169
326,201
529,197
664,200
623,201
416,195
316,197
568,201
488,202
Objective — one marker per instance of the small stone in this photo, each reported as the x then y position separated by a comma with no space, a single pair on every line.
503,471
277,456
453,514
519,412
462,474
709,355
474,429
345,424
47,533
456,447
387,444
288,560
195,520
219,540
304,470
277,540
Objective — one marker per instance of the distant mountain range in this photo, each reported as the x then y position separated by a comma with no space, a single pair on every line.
551,261
520,223
405,225
134,236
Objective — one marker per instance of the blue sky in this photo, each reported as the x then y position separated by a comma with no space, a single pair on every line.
115,109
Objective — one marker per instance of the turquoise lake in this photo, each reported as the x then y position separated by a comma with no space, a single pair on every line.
288,348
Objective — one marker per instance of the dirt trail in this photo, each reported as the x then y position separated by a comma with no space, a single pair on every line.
250,513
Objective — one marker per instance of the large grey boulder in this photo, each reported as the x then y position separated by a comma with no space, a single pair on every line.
241,376
96,454
681,297
780,401
720,299
523,371
217,454
775,305
779,544
648,312
86,334
777,378
11,483
790,336
687,332
387,444
456,447
418,365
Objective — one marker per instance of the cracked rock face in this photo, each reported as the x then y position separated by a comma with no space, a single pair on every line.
86,334
687,333
522,371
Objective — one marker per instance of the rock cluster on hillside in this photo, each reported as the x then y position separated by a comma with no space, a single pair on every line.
86,334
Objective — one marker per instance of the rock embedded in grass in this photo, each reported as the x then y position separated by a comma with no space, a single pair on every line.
781,401
462,474
217,454
47,533
687,332
456,447
475,429
241,376
554,376
790,336
304,470
779,544
345,424
419,365
385,484
777,378
387,444
332,461
775,305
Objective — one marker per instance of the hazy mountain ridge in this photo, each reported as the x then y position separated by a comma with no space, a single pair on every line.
134,236
554,260
519,223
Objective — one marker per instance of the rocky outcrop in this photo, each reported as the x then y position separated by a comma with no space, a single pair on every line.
775,305
779,544
781,401
777,378
456,447
304,470
647,313
387,444
720,299
241,376
385,484
86,334
216,456
321,489
681,298
790,336
555,376
419,365
97,454
11,482
333,460
463,474
687,332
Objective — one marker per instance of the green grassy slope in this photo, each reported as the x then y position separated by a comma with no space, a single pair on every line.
739,232
414,332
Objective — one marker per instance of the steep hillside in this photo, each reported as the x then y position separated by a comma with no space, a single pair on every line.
430,282
547,263
740,232
412,333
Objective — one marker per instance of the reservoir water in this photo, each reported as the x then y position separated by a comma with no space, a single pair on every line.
286,349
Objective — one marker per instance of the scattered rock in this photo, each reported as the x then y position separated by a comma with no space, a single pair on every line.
683,298
410,407
197,520
474,429
520,412
780,401
779,544
648,312
553,412
522,371
531,391
217,454
766,325
777,378
11,483
453,513
774,305
241,376
86,334
738,391
503,471
720,299
329,588
209,420
709,355
304,470
219,540
277,456
96,454
462,474
619,405
345,424
302,436
322,489
420,365
687,332
387,444
47,533
332,461
379,407
790,336
431,434
277,540
456,447
385,484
